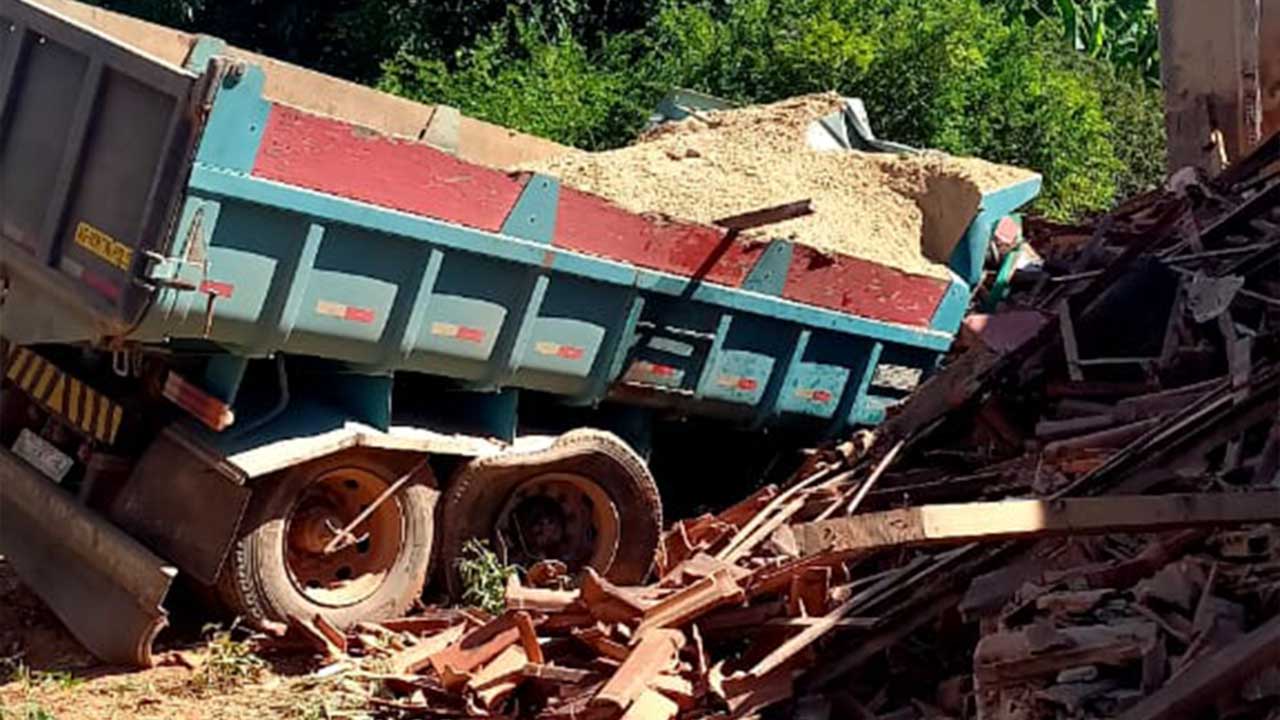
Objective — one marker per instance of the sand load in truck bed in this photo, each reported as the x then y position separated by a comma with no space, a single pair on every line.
904,211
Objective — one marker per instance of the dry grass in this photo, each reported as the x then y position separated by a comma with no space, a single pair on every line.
45,675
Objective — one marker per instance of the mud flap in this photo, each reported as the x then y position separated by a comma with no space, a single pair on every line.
104,586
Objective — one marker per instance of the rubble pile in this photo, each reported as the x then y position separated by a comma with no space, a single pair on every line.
1076,518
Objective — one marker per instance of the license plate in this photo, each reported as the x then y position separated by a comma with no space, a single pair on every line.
43,455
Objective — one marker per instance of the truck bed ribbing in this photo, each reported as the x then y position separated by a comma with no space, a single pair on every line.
276,229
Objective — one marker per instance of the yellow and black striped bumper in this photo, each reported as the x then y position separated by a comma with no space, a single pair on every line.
82,407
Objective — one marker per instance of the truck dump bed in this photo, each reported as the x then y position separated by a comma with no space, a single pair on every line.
96,144
238,203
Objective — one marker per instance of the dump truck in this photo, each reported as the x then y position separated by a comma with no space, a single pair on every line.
300,341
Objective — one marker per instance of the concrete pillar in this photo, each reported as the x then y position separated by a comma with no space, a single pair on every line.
1212,58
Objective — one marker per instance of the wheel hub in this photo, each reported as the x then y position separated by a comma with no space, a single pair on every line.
315,529
326,505
559,516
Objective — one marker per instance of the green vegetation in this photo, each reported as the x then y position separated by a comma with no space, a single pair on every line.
1124,32
952,74
228,663
311,708
27,711
30,682
15,670
1067,87
484,577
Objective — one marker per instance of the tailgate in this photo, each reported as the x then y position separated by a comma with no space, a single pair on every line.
94,146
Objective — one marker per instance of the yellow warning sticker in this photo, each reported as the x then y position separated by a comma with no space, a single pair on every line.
104,246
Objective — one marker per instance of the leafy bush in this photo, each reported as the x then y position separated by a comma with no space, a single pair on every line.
1126,33
229,662
959,75
484,577
1066,87
1136,114
950,74
520,77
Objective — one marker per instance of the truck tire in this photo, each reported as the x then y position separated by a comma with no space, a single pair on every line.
587,500
277,568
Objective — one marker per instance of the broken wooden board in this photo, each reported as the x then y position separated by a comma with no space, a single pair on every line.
965,522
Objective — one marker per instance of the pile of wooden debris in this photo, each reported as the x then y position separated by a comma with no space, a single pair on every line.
1076,518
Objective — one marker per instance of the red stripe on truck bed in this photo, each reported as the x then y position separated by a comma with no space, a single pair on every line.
590,224
335,157
345,160
860,287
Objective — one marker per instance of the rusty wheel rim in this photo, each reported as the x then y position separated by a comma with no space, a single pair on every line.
559,516
326,505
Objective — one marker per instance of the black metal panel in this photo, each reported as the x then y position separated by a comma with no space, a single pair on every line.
184,503
12,49
122,152
87,42
95,137
73,146
41,111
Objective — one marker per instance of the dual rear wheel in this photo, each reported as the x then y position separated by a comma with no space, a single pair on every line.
279,568
586,500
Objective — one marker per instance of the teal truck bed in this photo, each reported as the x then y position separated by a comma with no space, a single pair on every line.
317,273
186,207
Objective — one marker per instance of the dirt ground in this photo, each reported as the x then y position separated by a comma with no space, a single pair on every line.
46,675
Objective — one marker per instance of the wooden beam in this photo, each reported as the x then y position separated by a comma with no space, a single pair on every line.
1067,327
1212,677
1114,437
766,216
964,522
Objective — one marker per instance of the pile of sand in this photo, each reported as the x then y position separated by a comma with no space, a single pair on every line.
905,211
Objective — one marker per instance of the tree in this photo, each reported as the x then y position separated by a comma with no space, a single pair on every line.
521,76
1124,32
950,74
1055,85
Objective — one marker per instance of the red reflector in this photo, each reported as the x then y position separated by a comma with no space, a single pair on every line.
747,384
204,407
569,352
357,314
821,396
470,334
221,289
